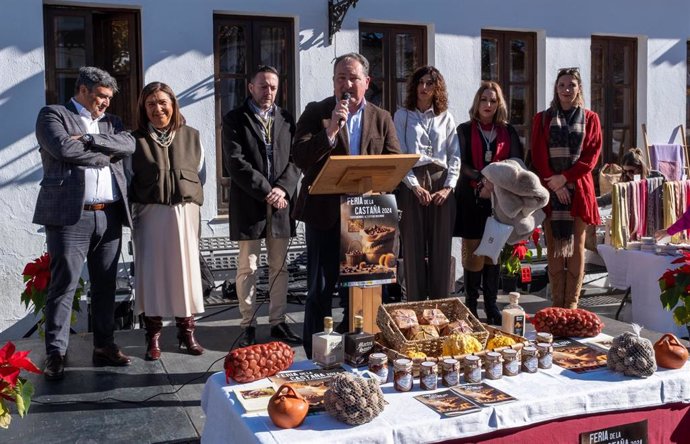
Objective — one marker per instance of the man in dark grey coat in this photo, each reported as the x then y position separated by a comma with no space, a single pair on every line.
257,153
83,204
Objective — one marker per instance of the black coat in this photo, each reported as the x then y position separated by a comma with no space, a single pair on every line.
244,157
473,211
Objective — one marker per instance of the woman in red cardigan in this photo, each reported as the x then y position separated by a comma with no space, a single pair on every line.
566,142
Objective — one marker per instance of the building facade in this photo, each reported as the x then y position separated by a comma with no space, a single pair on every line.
633,56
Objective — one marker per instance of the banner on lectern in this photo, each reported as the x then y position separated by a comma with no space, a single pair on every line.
368,240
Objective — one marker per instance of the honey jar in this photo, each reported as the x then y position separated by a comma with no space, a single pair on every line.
402,375
473,369
378,364
544,338
511,363
493,365
450,369
544,355
428,375
529,359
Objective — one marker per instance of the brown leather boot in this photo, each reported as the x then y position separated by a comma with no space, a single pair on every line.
153,325
573,287
557,281
185,334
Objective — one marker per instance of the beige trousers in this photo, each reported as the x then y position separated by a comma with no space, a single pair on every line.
566,274
248,263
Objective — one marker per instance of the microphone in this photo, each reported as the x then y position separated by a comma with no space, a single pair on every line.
346,96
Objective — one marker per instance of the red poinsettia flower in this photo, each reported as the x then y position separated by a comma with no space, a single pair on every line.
683,259
675,289
669,279
535,235
39,272
520,250
11,363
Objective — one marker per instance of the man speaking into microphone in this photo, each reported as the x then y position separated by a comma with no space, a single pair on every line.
343,124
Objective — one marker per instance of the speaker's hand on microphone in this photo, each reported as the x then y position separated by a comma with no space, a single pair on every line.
338,116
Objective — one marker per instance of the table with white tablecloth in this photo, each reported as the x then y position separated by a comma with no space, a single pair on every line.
640,271
544,396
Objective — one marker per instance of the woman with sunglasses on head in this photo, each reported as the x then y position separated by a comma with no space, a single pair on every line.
633,164
426,127
485,138
566,144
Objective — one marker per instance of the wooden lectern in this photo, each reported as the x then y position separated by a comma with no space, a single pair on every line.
363,175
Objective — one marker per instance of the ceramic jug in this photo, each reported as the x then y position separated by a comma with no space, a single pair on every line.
287,408
669,352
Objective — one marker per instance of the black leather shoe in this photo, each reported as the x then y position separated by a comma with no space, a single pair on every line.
283,333
110,355
55,367
248,337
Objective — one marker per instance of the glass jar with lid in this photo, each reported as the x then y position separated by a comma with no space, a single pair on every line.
378,364
511,363
450,369
402,375
473,369
428,375
493,365
529,359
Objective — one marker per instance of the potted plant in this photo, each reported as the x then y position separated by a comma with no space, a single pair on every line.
14,389
512,257
37,277
675,290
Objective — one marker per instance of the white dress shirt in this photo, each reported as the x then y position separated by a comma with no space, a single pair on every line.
99,183
433,137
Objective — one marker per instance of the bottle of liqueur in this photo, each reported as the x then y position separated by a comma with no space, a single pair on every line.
513,316
327,346
358,344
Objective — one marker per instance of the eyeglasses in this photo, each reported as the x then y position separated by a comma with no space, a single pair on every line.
568,71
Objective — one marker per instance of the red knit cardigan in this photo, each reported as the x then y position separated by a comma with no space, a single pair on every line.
584,203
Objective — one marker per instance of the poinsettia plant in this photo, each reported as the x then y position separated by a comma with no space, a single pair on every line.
36,278
675,289
512,256
12,387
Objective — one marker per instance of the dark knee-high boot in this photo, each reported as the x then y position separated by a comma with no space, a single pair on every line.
185,334
490,285
472,281
153,326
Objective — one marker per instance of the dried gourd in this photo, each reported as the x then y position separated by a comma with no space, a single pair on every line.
416,354
460,344
499,341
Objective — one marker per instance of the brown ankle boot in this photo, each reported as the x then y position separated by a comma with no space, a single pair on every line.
185,334
153,325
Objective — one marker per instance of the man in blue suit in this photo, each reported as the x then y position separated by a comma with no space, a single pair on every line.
83,204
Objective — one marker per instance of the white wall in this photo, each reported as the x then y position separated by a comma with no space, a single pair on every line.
22,94
177,48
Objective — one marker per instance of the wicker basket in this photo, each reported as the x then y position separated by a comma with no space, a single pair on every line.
382,346
451,307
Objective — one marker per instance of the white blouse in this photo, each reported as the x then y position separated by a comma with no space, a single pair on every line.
433,137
